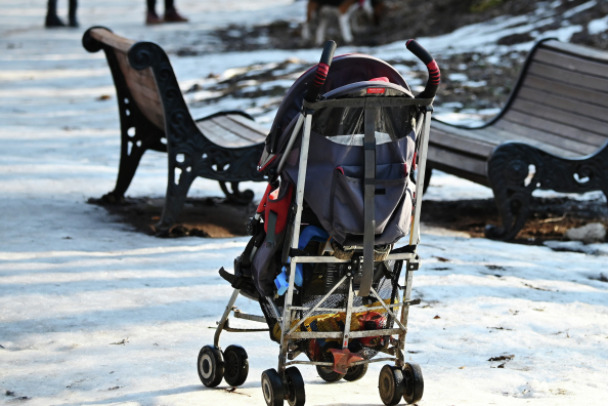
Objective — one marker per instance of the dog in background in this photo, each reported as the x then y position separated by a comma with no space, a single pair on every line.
320,11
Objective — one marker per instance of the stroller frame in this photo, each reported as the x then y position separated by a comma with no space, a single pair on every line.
285,382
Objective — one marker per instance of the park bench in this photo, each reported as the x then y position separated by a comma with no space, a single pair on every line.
225,146
552,134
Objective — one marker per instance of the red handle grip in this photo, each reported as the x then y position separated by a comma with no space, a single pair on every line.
434,74
321,73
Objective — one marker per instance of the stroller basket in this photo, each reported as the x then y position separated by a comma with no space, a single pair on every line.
346,158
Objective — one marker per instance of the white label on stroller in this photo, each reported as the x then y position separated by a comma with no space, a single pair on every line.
357,139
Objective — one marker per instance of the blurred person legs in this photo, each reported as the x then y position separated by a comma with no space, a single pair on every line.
171,14
151,16
72,20
51,15
52,20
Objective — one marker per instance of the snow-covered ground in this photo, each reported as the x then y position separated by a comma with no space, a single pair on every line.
94,313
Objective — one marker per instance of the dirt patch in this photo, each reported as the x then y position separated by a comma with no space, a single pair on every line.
208,217
549,218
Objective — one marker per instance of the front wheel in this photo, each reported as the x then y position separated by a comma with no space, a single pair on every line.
272,387
413,383
297,394
210,366
236,365
390,385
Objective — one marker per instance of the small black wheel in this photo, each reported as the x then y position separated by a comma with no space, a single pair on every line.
236,365
272,387
413,383
295,382
328,374
356,372
390,385
210,366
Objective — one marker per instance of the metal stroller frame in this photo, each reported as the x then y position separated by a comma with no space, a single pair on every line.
286,383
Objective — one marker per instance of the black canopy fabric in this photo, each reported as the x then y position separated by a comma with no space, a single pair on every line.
358,88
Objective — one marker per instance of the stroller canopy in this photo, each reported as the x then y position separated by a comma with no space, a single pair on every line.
358,88
345,70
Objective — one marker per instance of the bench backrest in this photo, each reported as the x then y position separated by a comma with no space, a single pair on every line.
561,99
144,90
141,83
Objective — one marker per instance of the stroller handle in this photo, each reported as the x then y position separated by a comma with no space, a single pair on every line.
322,70
434,75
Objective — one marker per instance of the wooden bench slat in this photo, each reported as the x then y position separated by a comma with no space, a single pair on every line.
465,166
512,132
565,123
482,141
574,63
584,97
230,124
559,74
545,130
464,141
105,36
578,51
257,132
143,90
221,134
541,138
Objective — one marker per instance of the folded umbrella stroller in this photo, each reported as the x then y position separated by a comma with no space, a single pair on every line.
335,236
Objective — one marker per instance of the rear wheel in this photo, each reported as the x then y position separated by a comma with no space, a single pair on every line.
328,374
356,372
413,383
210,366
295,382
272,387
236,365
390,385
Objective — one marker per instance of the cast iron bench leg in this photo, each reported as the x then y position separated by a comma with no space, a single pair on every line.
234,195
516,169
511,179
137,136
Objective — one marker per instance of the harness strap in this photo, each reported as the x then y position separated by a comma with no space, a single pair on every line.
369,192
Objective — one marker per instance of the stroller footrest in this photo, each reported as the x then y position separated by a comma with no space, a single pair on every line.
245,285
252,317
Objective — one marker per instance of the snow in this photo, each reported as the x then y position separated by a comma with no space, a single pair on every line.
94,313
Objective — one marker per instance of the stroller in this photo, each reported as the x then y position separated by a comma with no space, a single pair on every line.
345,159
